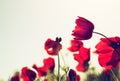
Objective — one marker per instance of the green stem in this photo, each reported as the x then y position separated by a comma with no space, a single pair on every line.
103,36
114,76
58,67
57,46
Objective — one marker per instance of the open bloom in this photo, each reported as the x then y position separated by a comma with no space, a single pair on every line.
83,29
53,47
109,52
48,66
83,58
75,45
27,74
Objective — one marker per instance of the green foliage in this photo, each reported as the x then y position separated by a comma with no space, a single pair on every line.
51,77
93,75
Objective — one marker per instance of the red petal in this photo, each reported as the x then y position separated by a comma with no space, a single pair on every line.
49,64
75,45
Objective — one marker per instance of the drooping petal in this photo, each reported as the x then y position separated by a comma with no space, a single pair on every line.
83,29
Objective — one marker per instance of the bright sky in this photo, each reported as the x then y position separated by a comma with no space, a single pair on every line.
26,24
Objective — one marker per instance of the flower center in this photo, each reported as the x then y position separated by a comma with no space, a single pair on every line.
58,39
115,45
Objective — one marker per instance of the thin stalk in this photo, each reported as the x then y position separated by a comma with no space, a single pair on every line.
58,67
103,36
57,45
114,76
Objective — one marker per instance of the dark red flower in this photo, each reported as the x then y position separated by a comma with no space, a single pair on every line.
75,45
27,74
53,47
83,58
109,52
15,77
83,29
72,76
49,65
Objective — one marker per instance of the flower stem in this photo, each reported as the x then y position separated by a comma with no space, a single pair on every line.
114,76
103,36
58,67
58,39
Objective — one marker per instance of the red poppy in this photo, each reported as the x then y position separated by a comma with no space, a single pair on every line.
83,29
109,52
53,47
72,76
48,66
83,58
27,74
15,77
75,45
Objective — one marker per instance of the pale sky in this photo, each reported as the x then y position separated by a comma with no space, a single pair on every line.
26,24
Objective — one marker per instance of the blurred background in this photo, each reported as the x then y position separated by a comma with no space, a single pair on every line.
26,24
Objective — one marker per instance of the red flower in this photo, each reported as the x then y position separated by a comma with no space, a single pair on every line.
53,47
15,77
83,58
48,66
27,74
83,29
109,52
75,45
72,76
